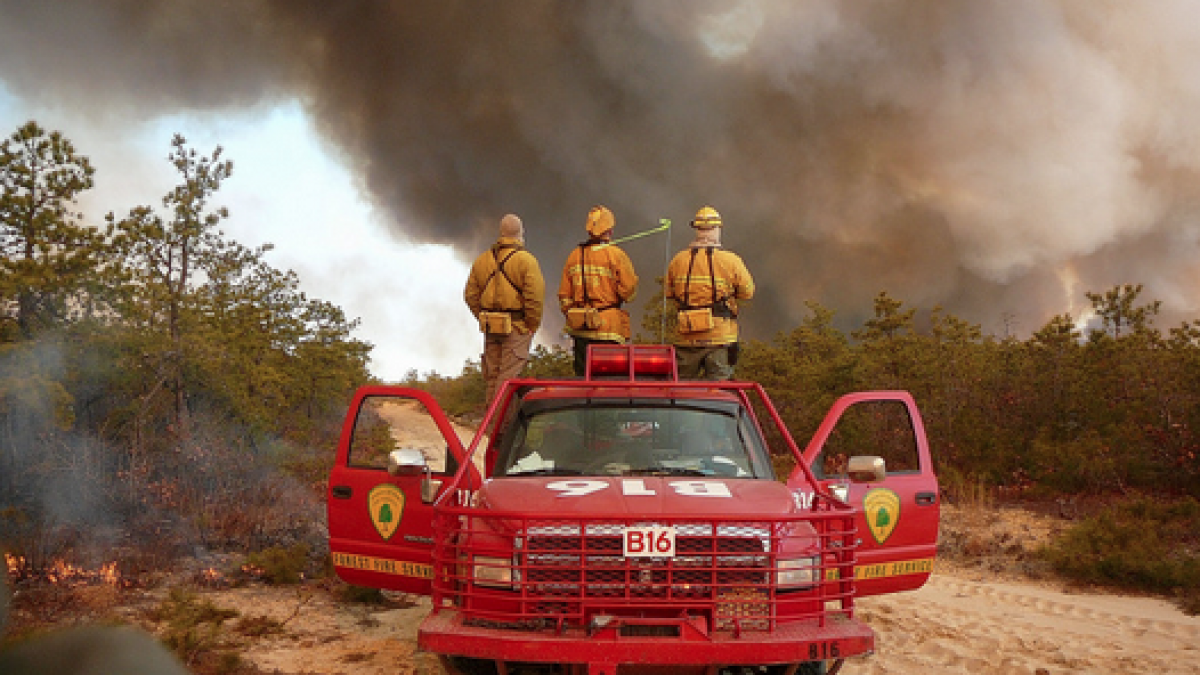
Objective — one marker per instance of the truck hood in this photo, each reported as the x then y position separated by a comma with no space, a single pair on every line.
648,496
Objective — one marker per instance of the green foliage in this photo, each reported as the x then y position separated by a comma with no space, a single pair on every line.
658,317
551,362
1138,544
216,325
154,376
193,626
361,595
460,396
1074,465
47,256
279,565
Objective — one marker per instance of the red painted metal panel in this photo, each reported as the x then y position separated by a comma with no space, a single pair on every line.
506,581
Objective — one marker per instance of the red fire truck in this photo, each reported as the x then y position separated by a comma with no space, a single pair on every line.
629,521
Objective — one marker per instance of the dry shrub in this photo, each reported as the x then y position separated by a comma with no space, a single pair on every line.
998,540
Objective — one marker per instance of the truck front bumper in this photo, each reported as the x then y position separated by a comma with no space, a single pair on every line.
685,641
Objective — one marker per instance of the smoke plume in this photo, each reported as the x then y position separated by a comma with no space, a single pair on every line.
975,154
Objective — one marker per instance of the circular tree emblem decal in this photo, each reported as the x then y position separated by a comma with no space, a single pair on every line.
386,503
881,507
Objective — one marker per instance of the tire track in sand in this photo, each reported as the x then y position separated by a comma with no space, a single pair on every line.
955,625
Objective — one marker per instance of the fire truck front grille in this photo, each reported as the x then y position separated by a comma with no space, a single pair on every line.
594,567
519,570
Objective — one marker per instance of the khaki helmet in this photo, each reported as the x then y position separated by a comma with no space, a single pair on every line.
599,221
706,218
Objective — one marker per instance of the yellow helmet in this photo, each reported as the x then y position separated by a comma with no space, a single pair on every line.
706,218
600,220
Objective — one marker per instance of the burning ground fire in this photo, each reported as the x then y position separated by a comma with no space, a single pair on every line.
62,572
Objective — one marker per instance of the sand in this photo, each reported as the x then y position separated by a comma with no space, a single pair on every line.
952,625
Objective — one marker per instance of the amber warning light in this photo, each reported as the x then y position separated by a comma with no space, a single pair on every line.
632,362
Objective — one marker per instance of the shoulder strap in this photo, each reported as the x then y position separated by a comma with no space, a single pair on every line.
712,276
500,265
499,268
687,282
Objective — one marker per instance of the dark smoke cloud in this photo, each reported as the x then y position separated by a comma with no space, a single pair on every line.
982,155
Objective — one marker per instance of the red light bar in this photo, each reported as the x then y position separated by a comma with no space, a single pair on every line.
656,362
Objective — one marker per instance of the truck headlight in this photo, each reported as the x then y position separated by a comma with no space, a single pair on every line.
797,572
489,571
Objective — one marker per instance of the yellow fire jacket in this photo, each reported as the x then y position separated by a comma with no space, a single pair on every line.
690,282
604,274
517,288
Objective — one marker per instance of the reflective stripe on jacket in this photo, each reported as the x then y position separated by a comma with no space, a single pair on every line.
611,281
733,283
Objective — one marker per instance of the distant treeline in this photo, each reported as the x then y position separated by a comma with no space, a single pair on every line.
1112,410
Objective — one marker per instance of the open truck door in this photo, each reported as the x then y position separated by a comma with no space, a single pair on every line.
871,451
396,456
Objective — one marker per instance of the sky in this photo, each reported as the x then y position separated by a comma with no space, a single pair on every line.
998,159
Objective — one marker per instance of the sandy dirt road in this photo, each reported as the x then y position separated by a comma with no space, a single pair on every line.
960,625
952,625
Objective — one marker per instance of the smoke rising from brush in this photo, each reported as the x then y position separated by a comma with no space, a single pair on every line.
969,153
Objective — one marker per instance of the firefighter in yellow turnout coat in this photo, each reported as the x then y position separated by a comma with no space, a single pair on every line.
597,279
706,282
504,291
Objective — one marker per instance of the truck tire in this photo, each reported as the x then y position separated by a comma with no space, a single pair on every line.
808,668
460,665
812,668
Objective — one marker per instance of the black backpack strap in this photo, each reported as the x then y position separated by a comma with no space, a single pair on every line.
687,282
712,277
720,307
500,268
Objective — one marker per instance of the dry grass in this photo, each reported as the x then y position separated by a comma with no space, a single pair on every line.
981,540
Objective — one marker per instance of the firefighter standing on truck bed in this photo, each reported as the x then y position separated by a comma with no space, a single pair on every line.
597,279
505,291
706,281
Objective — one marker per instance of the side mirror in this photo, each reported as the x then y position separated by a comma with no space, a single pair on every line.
406,462
866,469
411,462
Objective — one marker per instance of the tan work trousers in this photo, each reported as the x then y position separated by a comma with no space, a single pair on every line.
503,358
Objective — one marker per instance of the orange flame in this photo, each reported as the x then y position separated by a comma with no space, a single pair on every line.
63,572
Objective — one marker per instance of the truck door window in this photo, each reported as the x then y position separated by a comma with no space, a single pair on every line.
387,423
880,428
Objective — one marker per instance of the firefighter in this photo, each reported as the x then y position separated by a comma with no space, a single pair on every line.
505,293
597,279
706,281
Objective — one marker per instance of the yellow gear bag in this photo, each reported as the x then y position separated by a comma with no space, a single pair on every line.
495,323
695,320
581,318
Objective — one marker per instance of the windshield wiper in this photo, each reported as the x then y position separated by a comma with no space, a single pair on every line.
547,471
664,471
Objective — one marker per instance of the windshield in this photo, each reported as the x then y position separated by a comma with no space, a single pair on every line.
634,438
